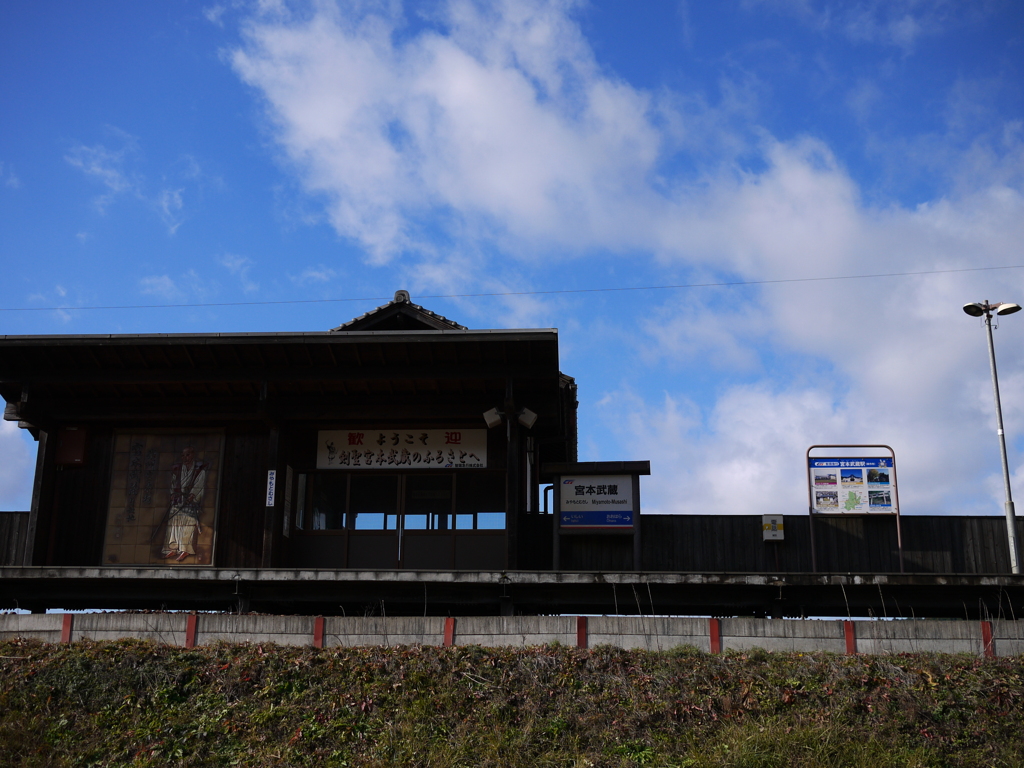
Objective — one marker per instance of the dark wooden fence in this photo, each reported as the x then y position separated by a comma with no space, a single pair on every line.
734,543
931,544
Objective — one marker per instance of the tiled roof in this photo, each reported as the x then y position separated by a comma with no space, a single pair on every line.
401,305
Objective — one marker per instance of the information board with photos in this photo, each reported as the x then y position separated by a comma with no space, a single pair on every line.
853,485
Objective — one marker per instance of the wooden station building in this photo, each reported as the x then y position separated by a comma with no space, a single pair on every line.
365,446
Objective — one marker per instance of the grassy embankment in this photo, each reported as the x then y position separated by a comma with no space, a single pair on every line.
131,703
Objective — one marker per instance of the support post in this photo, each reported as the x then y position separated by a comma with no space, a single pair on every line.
270,512
1011,515
512,479
987,650
849,630
190,630
556,521
66,627
582,635
28,555
715,635
637,544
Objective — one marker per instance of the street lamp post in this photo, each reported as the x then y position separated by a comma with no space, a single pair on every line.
977,309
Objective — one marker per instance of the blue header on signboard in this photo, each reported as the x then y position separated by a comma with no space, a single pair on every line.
818,463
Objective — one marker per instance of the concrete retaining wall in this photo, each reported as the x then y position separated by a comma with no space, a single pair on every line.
45,627
166,628
919,636
494,631
375,630
649,632
783,635
1008,637
989,638
225,627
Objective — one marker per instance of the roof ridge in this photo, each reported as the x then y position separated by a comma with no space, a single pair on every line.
402,297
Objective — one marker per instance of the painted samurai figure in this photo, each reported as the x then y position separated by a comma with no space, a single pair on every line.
188,481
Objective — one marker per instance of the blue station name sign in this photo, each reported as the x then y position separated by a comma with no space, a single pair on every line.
596,501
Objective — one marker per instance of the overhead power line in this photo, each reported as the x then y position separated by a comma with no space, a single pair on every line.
729,284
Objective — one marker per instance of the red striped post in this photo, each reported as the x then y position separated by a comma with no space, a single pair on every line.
986,640
65,628
851,637
190,630
318,632
581,631
715,633
449,631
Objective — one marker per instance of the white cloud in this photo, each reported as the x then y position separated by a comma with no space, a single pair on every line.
863,98
311,275
506,123
18,467
898,23
108,166
498,127
239,267
748,456
159,285
215,14
119,171
189,285
169,202
7,175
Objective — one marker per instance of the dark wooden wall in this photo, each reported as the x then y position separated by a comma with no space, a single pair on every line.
700,543
13,530
535,537
73,511
243,507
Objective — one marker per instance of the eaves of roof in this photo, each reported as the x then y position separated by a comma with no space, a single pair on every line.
281,337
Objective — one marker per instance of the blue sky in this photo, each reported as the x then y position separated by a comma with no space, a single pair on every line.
197,153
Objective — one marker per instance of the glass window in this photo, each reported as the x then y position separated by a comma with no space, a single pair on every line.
428,502
480,497
416,522
328,502
331,501
369,521
373,502
490,521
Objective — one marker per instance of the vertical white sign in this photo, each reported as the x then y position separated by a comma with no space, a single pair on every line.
287,516
271,486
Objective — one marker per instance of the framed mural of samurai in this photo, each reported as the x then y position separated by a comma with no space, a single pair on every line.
164,494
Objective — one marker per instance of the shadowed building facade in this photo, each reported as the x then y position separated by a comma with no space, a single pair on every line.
359,447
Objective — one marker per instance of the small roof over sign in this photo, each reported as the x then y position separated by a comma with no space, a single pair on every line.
400,314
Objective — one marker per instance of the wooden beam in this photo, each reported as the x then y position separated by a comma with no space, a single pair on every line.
385,372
